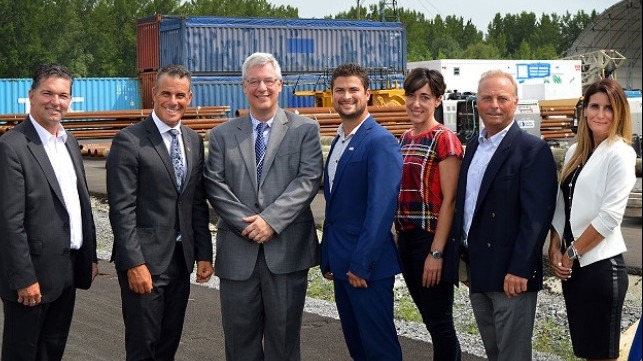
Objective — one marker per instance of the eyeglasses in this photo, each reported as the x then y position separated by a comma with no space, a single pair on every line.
267,82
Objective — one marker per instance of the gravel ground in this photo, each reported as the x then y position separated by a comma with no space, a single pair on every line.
551,318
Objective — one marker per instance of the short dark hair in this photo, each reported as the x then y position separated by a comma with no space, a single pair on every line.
420,77
173,70
350,69
47,71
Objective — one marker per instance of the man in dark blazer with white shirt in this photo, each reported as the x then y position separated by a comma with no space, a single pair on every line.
160,217
47,234
266,237
504,207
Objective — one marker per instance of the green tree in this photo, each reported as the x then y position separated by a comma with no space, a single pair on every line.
572,27
98,37
481,50
523,52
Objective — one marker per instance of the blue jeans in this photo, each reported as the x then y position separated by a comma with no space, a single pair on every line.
434,303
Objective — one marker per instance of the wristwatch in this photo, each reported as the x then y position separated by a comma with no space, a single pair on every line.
436,254
572,253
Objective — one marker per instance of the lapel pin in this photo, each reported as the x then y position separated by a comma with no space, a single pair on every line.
351,148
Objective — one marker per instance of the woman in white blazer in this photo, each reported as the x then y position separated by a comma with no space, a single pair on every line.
586,247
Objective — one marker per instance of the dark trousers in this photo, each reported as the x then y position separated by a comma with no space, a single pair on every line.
434,303
154,322
39,333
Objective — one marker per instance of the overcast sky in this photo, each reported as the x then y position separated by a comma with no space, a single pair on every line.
480,12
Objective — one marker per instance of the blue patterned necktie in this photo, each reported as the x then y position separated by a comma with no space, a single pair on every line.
260,149
177,161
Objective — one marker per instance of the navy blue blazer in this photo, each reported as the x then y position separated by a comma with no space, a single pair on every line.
512,215
360,209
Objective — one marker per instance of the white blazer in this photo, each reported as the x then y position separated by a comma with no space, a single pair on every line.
600,196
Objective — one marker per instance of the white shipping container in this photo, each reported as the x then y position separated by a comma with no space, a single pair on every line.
563,77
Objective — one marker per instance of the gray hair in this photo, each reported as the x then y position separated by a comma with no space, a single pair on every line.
498,73
260,59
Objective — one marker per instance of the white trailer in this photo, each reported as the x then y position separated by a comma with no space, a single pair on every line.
538,79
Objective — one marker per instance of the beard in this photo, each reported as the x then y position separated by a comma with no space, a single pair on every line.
356,114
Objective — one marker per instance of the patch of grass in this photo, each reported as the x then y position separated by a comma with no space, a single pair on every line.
406,310
318,287
551,338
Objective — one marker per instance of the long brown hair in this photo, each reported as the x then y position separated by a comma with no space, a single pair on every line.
620,129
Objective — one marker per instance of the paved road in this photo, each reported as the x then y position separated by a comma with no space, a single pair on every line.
97,332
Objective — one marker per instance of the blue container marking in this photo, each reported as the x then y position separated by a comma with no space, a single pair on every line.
532,71
301,46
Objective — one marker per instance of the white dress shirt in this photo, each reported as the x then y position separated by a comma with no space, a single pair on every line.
341,145
60,160
164,129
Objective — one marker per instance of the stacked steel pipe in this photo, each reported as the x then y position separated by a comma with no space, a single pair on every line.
105,124
557,118
393,118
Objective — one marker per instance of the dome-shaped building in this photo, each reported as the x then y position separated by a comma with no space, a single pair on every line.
612,44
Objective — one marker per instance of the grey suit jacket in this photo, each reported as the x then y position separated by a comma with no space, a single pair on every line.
290,180
34,223
146,209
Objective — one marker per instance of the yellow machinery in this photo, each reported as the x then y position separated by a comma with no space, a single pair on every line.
391,95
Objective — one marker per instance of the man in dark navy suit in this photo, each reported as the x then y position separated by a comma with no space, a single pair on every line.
504,207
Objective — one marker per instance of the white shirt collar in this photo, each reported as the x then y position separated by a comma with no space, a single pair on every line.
255,122
162,127
496,138
340,129
44,134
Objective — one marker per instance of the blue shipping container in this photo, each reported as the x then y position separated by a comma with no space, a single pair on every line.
220,45
88,95
228,90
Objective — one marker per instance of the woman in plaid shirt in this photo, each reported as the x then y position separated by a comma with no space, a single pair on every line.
432,155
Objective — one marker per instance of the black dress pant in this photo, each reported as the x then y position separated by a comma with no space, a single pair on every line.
154,322
39,333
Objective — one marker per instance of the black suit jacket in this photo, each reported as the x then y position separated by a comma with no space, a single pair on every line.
512,215
34,223
146,209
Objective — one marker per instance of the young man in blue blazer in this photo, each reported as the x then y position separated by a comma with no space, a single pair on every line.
361,184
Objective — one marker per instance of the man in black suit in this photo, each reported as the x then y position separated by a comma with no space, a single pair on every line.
47,234
504,207
160,217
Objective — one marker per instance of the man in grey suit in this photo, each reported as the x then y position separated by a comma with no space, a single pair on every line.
263,170
47,234
160,217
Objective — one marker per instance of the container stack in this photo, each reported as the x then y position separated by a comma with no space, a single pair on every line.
88,95
214,48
